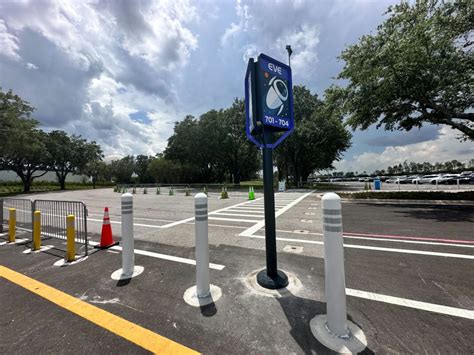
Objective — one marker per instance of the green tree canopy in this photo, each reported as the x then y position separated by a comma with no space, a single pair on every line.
97,170
121,170
142,162
165,171
69,154
214,147
418,68
22,145
14,112
318,140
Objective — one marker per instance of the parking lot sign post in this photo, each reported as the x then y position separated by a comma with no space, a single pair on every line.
269,114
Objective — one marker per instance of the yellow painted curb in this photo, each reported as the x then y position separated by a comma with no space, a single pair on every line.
130,331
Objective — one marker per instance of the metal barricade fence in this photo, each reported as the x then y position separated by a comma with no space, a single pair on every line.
53,219
23,208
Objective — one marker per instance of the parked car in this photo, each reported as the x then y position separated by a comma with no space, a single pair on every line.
446,178
393,180
407,179
428,179
463,179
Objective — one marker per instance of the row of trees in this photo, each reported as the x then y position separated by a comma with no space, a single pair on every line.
214,147
412,168
31,152
211,148
452,166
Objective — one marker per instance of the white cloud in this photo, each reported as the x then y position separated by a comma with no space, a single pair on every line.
88,65
445,147
269,27
95,62
304,41
8,43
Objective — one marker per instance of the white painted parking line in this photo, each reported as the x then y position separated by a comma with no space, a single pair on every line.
232,219
210,213
237,214
135,218
135,224
279,205
368,247
248,208
378,239
250,231
410,251
165,257
178,222
284,239
17,241
409,241
404,302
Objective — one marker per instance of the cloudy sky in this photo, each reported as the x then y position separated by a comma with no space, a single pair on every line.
122,72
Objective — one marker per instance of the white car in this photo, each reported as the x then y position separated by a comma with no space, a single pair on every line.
429,179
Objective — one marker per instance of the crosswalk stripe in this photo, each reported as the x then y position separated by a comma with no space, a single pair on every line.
233,219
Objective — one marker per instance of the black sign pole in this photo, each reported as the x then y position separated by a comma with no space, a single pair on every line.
270,277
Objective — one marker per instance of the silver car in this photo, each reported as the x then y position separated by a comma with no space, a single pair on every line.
429,179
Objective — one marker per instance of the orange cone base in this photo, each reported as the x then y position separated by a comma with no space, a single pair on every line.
106,246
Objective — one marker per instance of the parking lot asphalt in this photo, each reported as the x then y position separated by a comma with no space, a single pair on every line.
408,277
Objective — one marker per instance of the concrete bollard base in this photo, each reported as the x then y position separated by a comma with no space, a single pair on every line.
191,298
64,262
353,343
119,275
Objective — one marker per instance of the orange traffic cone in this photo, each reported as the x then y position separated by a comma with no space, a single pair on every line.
106,239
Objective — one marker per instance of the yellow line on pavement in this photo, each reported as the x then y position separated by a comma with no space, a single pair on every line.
130,331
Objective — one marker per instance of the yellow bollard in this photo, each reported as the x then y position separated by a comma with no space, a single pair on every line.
36,230
71,235
12,226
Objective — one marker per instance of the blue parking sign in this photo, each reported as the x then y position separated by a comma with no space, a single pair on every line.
269,99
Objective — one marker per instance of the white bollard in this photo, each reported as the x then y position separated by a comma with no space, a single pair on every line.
436,184
128,245
416,182
457,182
202,246
334,265
203,293
128,269
333,329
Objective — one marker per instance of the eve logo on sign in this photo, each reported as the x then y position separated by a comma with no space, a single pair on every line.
274,68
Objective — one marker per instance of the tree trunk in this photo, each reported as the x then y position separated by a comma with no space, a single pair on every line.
236,176
26,180
27,185
61,179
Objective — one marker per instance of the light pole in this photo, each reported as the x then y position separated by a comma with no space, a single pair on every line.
290,52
